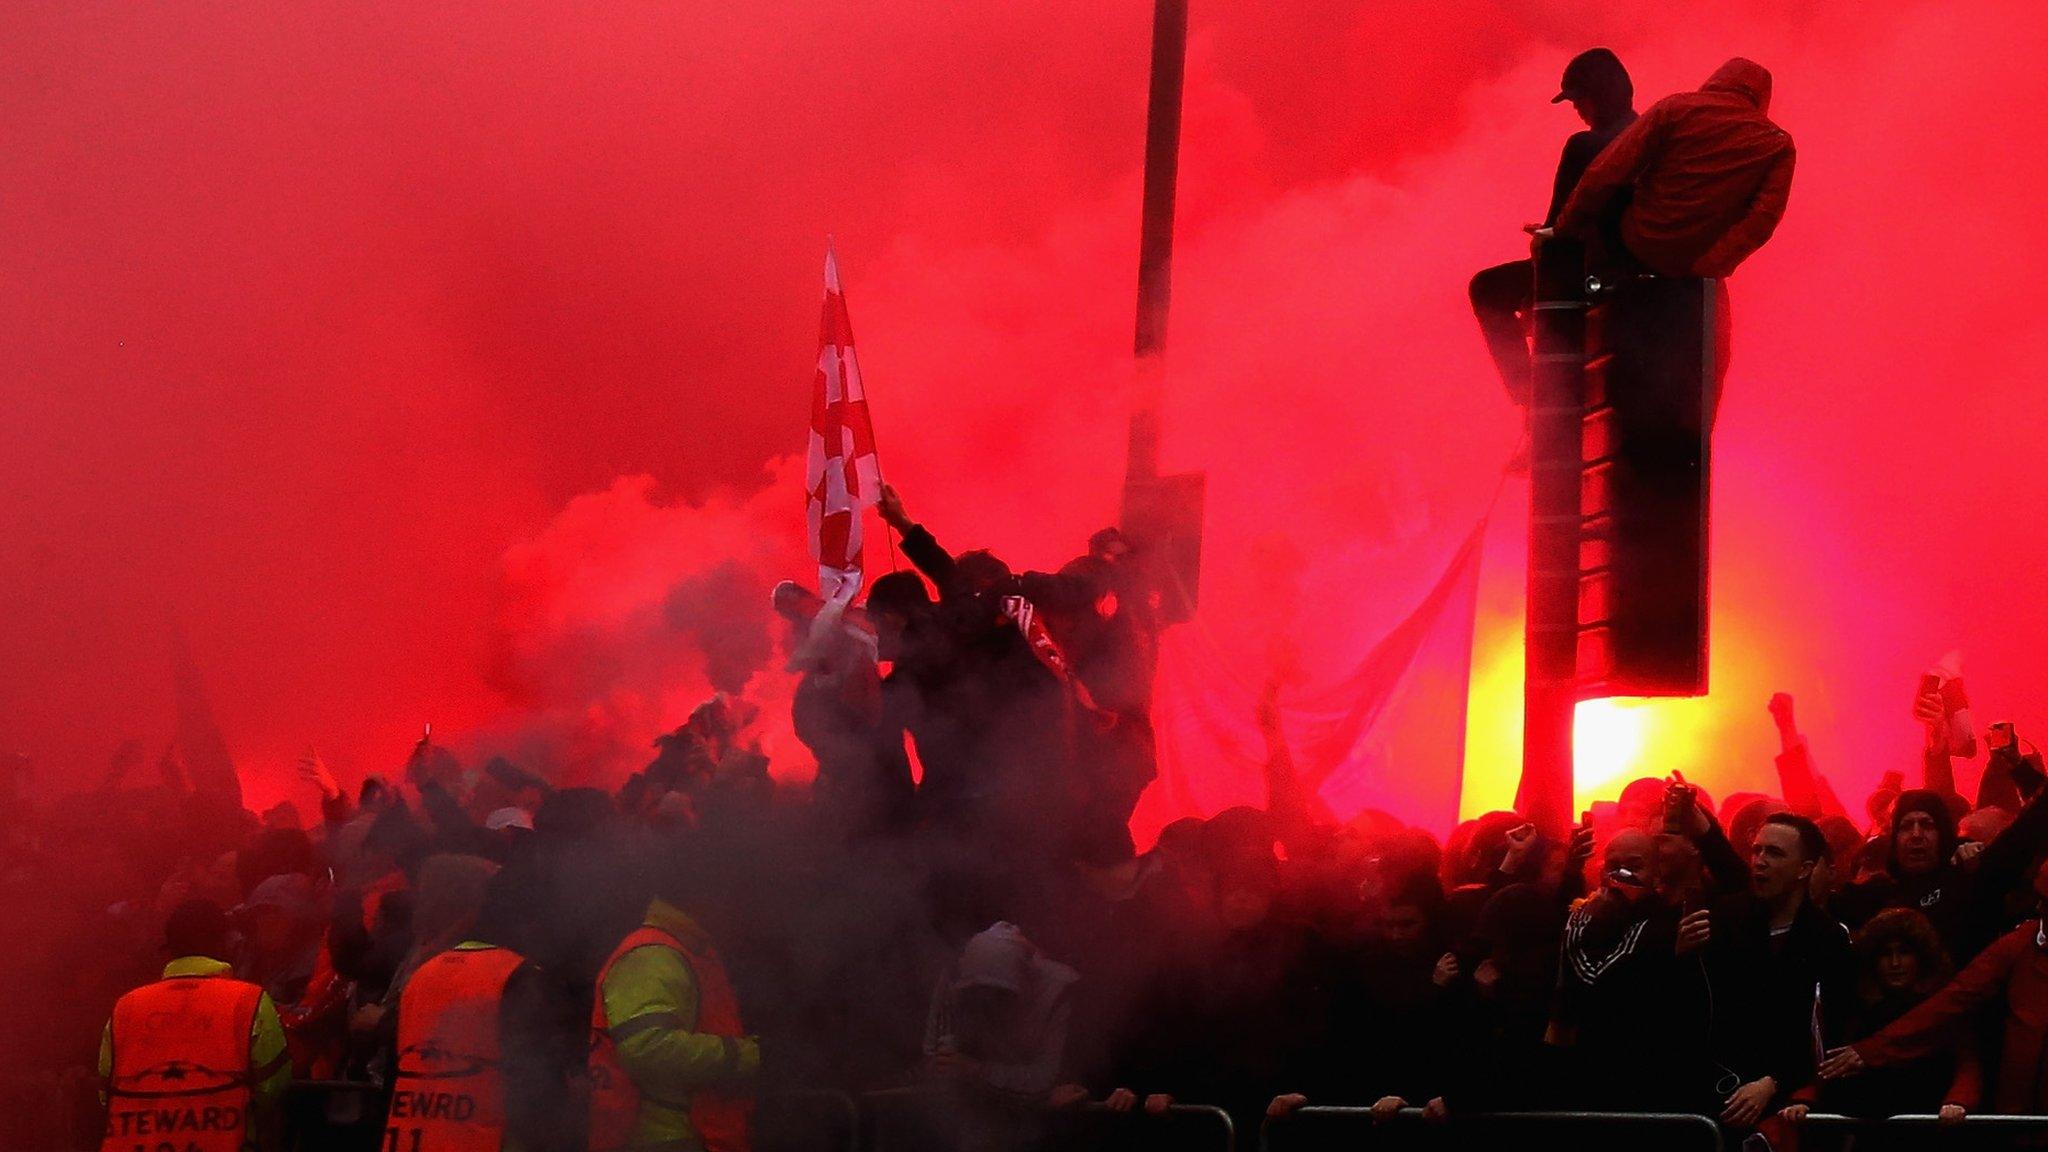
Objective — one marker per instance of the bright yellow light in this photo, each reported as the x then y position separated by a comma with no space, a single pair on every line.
1723,742
1607,739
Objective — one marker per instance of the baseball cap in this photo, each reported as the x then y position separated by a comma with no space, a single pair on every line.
1590,72
505,818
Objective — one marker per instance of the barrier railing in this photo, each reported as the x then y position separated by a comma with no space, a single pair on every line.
1184,1127
924,1120
1315,1129
348,1116
1821,1132
806,1120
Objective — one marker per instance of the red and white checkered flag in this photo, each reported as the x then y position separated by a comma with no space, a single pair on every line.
841,474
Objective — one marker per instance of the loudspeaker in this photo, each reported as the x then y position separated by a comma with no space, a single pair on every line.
1652,384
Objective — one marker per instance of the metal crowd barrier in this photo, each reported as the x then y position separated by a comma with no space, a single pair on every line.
1822,1132
806,1120
347,1116
1184,1128
924,1120
1317,1129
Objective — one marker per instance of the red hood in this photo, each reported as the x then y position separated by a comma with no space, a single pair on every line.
1745,78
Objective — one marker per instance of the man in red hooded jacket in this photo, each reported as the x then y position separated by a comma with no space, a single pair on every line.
1701,179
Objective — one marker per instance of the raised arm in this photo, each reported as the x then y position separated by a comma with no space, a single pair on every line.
1803,787
924,551
1938,773
2002,866
1934,1025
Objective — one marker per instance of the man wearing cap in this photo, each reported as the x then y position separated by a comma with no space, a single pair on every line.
1599,90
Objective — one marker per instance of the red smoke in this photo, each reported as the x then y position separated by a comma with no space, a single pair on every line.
433,362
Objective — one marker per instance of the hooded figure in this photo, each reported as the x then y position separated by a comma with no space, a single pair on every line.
1007,1006
997,1037
281,925
1700,180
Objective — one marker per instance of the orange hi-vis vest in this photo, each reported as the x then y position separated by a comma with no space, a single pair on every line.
720,1120
447,1094
181,1080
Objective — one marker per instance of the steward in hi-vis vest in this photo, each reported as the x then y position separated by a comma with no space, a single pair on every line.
196,1061
668,1053
447,1090
487,1046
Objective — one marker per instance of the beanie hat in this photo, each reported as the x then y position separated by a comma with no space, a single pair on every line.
1936,807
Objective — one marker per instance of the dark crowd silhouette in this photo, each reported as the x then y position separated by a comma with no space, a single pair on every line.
498,961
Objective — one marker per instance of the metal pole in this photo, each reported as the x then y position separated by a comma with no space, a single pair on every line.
1556,441
1155,242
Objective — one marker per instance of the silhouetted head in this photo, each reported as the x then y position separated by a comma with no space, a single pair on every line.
1410,917
1109,545
1984,825
1597,86
1744,78
1483,849
397,839
1742,829
893,602
506,916
899,594
576,814
794,602
197,928
980,570
375,794
1641,805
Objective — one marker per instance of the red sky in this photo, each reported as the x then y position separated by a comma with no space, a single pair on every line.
431,361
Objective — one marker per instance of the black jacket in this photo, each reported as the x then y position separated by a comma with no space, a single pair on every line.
1966,902
1779,999
1579,152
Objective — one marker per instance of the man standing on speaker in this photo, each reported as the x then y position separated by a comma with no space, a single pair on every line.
1600,91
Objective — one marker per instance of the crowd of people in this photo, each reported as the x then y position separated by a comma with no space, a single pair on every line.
655,956
956,902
